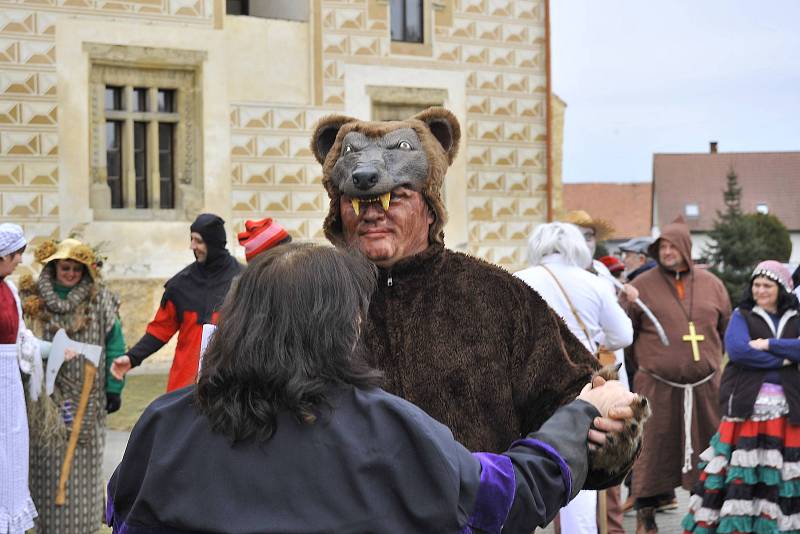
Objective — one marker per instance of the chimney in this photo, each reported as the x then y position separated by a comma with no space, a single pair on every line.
712,147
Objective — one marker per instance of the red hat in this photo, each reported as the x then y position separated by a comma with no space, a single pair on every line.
260,236
613,264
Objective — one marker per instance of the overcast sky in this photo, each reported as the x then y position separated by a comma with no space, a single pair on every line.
645,76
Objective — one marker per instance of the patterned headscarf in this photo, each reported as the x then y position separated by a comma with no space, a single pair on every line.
775,271
11,238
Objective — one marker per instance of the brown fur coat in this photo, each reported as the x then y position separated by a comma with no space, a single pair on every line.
474,347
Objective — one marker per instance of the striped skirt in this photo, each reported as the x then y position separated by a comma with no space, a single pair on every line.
750,479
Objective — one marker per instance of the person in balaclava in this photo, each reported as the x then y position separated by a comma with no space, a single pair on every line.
191,299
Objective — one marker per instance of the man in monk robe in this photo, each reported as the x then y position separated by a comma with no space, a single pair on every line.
693,307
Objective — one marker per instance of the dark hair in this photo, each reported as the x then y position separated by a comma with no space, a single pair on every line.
786,300
10,255
289,329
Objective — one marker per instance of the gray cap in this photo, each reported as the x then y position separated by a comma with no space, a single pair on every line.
637,244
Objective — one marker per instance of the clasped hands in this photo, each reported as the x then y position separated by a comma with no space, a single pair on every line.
613,402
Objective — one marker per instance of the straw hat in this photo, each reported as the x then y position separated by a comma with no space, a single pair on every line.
602,229
68,249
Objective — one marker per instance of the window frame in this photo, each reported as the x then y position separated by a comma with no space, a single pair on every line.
424,48
131,68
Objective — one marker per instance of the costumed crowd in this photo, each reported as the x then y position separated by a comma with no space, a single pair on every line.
389,384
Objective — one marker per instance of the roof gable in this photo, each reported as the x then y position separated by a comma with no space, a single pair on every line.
771,178
627,206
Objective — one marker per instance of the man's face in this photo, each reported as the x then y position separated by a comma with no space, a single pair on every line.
198,246
591,238
385,237
669,256
632,260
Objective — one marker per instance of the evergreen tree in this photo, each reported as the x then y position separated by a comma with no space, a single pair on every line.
741,240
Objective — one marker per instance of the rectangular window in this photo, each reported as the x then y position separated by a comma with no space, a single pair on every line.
145,137
114,162
406,20
166,165
166,100
145,177
140,99
113,98
237,7
140,162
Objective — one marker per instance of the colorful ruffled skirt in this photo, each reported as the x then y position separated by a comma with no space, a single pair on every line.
750,480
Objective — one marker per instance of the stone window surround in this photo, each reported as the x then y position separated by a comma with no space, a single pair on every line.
430,8
162,68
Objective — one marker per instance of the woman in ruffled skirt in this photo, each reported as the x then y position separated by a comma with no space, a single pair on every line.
750,481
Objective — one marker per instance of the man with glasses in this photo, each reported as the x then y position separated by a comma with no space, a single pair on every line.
634,256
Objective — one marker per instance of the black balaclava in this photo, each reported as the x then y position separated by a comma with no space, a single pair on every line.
212,229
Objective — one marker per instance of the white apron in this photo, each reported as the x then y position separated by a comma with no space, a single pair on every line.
16,507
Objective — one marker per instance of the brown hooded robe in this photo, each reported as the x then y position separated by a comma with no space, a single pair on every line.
658,469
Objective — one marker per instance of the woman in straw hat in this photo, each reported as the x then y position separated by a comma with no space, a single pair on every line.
70,295
17,352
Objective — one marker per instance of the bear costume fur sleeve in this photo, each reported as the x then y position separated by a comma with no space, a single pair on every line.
470,344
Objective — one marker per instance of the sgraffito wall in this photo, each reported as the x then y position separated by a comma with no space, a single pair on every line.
260,86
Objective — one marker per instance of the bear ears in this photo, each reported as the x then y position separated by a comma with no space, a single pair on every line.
441,123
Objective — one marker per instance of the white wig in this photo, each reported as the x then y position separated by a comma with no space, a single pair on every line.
559,238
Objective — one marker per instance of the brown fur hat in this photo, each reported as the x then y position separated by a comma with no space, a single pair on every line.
439,132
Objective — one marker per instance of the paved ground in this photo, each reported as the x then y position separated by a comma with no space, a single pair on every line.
668,522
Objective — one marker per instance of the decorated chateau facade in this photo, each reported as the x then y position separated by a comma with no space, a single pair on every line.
121,120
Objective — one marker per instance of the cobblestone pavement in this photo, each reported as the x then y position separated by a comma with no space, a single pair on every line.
669,522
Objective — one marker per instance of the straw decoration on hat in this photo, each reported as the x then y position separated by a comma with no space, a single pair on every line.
602,229
69,249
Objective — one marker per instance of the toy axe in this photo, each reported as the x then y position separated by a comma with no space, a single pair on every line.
91,355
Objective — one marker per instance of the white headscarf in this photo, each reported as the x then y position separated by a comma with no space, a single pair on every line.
11,238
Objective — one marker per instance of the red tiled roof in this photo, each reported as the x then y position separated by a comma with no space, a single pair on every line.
772,178
627,206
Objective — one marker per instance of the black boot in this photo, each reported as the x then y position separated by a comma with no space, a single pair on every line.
646,521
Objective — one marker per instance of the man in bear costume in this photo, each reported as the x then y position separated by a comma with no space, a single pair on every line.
470,344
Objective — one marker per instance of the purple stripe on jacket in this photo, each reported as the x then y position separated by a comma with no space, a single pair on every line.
566,472
495,493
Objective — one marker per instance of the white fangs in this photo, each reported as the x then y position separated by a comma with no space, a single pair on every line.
384,199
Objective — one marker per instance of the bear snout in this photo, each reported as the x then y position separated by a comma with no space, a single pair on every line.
365,177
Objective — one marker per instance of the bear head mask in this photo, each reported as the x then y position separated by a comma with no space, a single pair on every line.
367,160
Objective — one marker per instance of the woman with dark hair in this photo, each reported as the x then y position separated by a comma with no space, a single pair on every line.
287,431
751,471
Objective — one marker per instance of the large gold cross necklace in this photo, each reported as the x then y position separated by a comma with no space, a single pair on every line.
692,337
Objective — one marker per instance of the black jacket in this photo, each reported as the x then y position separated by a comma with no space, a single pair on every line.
373,463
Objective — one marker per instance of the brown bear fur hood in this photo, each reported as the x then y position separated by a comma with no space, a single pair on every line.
439,132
